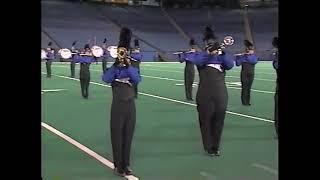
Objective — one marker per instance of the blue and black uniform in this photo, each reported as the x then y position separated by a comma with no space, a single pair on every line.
212,96
123,79
104,56
104,60
84,75
73,63
247,62
275,63
189,73
136,58
49,59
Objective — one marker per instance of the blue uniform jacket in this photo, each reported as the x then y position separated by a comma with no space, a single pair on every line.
116,72
83,59
50,56
136,56
247,58
203,58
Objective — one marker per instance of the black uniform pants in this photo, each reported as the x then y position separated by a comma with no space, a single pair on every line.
211,113
123,119
104,64
84,79
188,79
48,66
73,68
246,83
276,115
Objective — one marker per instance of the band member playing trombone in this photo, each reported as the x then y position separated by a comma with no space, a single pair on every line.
123,78
189,72
104,56
212,94
136,58
275,63
50,56
85,58
247,60
72,63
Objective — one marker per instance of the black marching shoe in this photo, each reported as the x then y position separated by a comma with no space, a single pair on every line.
128,170
85,96
213,152
119,172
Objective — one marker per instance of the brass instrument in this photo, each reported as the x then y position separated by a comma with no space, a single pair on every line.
186,52
247,52
227,41
120,53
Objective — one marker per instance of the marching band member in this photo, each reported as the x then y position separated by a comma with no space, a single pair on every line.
105,56
85,58
247,61
122,77
209,37
136,57
212,94
275,63
189,73
49,59
72,63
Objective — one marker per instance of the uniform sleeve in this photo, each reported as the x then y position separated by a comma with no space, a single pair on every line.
197,58
182,57
91,59
133,75
50,56
239,60
227,61
252,58
109,75
137,56
76,58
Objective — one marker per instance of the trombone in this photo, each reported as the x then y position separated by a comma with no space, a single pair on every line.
96,51
227,41
120,53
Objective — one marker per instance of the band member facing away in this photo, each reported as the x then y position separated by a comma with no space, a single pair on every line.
85,58
212,94
275,63
122,77
247,60
105,55
189,72
72,63
50,57
136,57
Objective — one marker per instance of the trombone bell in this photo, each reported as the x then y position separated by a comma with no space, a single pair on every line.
122,53
228,40
113,51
